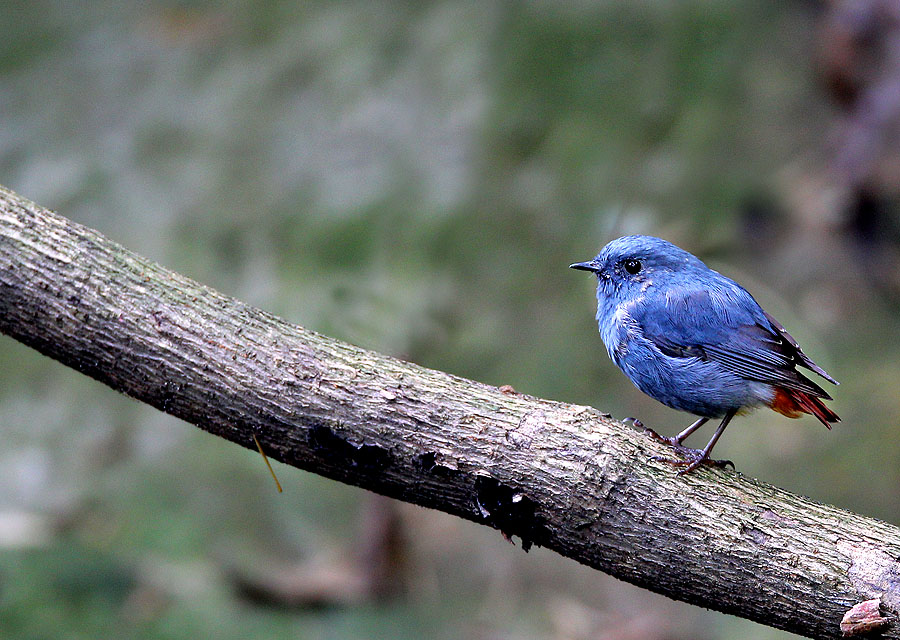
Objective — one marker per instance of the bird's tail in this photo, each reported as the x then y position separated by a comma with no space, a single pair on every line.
792,403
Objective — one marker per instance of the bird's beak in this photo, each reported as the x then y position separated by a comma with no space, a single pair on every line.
586,266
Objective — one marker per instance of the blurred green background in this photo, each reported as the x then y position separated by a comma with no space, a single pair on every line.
415,177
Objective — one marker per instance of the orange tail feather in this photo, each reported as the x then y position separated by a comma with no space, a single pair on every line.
792,403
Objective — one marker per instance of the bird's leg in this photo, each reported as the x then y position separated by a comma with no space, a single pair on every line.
677,440
696,457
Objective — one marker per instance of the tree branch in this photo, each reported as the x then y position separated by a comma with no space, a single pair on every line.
561,476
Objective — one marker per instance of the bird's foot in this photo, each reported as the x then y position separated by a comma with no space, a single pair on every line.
650,432
672,442
693,458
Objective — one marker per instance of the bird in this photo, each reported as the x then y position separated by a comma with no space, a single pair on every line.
697,341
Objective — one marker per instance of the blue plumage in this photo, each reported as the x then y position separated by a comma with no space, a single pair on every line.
695,340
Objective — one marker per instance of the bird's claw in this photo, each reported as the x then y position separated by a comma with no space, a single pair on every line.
693,458
672,442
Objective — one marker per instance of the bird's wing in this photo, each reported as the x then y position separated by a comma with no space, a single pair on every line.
804,359
727,326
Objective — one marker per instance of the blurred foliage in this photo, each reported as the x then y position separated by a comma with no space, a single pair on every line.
413,177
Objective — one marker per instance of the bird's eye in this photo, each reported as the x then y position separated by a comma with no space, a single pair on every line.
632,266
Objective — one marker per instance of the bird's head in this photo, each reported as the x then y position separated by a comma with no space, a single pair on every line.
631,263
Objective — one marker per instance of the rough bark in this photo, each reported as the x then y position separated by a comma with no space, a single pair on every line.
561,476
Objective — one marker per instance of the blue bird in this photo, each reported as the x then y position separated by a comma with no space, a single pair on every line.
697,341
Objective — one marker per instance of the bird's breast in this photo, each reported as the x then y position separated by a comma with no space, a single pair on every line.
617,328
